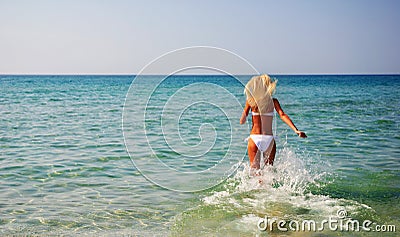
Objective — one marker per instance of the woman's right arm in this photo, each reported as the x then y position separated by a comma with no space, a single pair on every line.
245,113
285,118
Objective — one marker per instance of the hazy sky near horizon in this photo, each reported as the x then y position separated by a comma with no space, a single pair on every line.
113,37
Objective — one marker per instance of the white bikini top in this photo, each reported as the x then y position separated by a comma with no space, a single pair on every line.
264,114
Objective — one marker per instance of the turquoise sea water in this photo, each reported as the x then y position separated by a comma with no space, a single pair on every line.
65,169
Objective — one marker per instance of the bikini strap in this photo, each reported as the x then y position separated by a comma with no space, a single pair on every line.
264,114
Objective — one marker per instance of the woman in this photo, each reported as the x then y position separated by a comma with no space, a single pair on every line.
259,99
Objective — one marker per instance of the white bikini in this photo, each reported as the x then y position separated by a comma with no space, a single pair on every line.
262,141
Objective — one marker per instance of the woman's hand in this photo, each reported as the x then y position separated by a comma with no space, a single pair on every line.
301,134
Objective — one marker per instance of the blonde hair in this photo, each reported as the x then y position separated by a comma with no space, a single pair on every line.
259,92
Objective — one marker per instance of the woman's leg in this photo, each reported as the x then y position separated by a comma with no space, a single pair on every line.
254,155
270,153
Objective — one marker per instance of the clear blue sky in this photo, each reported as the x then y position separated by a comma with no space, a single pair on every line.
96,36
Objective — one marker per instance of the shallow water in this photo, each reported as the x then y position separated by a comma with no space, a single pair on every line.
64,167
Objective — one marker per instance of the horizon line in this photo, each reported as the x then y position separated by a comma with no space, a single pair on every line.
203,74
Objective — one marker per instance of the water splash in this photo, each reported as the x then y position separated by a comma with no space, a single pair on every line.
292,174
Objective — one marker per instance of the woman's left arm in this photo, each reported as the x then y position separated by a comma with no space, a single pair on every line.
245,113
286,119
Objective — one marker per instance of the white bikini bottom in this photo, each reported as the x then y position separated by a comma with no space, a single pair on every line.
262,141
